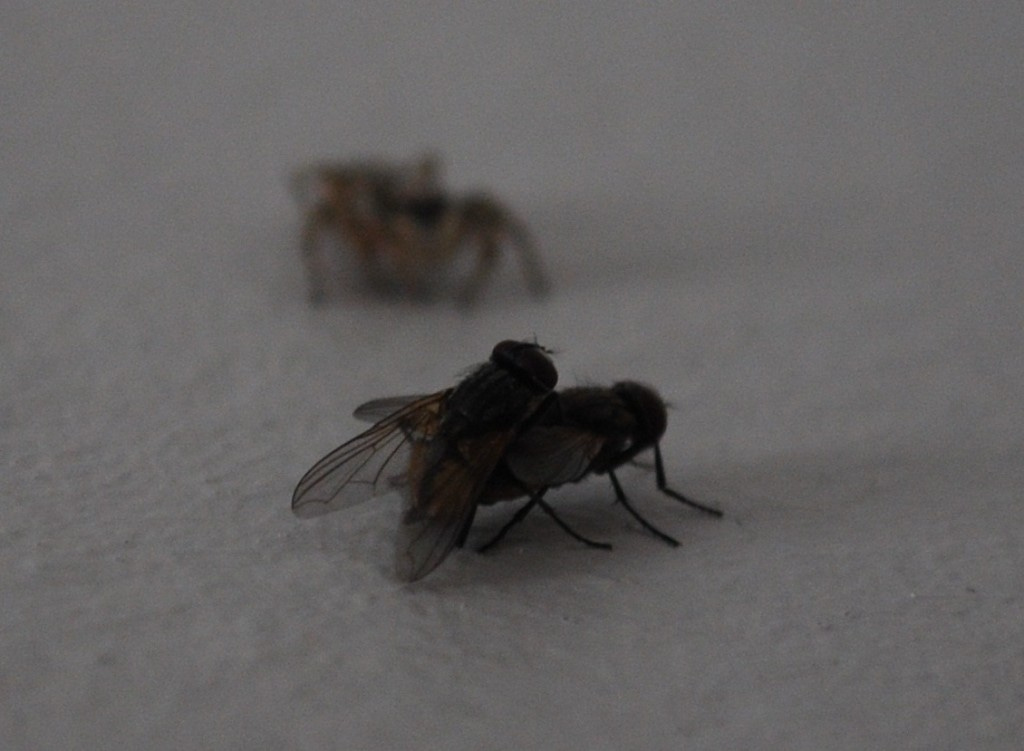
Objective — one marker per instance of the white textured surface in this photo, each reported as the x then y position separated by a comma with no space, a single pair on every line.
803,226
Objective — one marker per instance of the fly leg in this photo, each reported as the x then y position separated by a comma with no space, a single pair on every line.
621,496
659,473
537,499
519,516
460,541
570,531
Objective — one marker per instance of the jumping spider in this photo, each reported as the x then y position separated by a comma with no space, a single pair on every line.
402,226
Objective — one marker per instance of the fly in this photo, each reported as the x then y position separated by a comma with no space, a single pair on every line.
440,450
586,431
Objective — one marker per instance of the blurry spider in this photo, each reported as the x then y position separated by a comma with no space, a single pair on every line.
403,227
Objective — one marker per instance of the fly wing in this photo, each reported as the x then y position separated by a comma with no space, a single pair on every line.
372,462
380,409
444,491
549,455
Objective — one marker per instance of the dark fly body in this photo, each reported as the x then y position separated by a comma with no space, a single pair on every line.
439,449
587,431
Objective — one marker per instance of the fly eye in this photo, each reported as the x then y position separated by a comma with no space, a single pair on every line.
538,366
647,407
529,361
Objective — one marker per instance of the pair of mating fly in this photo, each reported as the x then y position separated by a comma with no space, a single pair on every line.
402,226
500,434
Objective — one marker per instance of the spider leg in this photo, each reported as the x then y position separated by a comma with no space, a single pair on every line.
318,219
487,256
621,496
659,473
536,281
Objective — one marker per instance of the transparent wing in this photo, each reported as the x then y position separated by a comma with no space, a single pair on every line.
549,455
372,462
379,409
442,500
